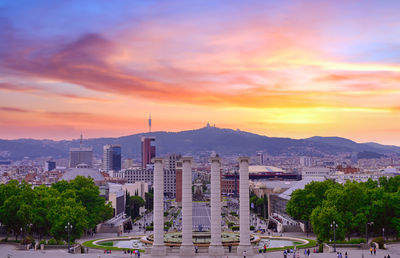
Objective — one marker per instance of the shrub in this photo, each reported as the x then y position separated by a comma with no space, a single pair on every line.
149,228
321,248
234,228
52,242
230,224
168,224
166,213
380,242
42,242
60,242
28,240
251,227
351,241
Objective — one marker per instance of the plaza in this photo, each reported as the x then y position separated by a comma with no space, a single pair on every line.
10,250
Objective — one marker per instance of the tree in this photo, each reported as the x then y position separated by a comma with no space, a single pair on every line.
46,210
149,200
68,211
10,218
304,201
321,220
133,204
45,199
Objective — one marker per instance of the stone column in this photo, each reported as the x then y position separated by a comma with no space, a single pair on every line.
187,247
158,210
216,243
244,213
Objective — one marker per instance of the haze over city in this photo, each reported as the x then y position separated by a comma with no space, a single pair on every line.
289,69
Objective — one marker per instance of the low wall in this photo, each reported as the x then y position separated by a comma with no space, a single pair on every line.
331,247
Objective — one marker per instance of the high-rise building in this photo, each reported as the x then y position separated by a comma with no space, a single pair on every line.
170,161
148,150
170,171
305,161
112,157
81,155
260,158
49,165
178,175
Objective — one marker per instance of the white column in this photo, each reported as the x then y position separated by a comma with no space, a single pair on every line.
187,247
158,210
244,210
216,243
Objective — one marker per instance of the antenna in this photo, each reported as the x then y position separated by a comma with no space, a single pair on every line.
80,143
150,122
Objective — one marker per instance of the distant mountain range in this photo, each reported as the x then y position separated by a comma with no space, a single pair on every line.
206,139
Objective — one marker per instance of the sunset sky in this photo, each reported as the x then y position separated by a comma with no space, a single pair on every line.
277,68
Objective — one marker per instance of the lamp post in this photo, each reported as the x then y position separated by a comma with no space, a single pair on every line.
383,234
366,228
334,225
68,228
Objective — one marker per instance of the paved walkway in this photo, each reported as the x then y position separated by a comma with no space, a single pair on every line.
5,250
393,250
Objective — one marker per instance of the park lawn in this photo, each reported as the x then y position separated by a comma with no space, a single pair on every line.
106,243
311,243
113,248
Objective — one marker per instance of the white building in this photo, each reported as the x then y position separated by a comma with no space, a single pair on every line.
170,161
141,188
260,158
265,169
134,175
315,172
116,196
305,161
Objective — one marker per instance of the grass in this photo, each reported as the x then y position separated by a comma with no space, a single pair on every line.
106,243
311,243
113,248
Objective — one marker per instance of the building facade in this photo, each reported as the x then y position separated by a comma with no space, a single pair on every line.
49,165
81,155
134,175
112,157
148,150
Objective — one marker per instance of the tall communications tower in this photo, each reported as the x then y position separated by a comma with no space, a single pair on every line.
150,123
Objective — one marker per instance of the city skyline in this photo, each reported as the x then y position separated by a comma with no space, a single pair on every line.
291,69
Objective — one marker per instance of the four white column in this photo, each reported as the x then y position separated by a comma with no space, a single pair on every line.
187,247
216,247
158,214
244,247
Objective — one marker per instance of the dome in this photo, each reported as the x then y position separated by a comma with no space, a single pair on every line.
70,174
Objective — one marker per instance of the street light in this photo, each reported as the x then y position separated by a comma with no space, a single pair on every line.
366,228
383,234
334,225
68,228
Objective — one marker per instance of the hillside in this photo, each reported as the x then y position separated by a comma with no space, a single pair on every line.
223,141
